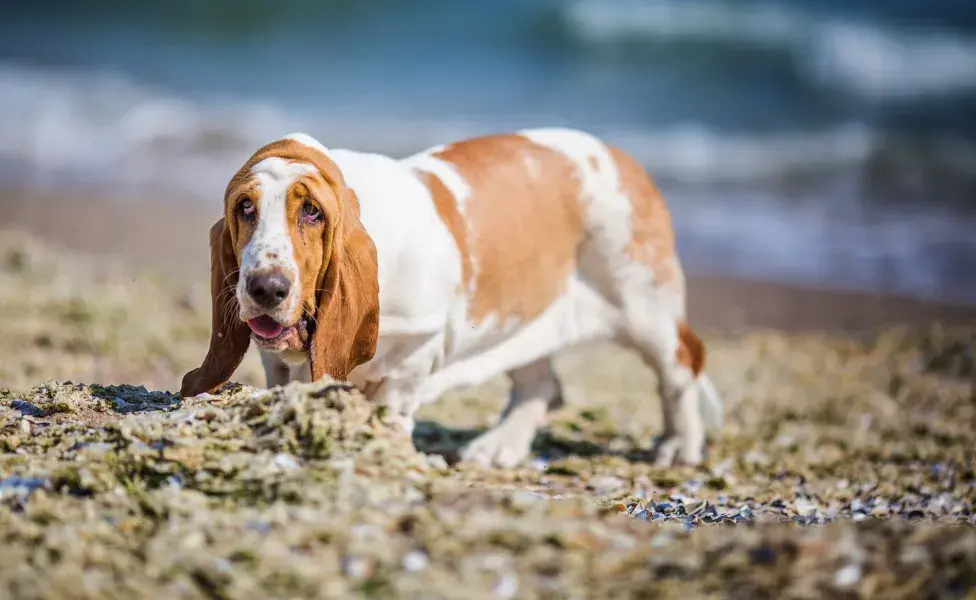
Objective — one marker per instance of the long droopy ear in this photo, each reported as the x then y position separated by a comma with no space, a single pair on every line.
348,315
229,336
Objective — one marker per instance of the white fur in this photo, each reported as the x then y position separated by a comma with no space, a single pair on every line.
712,409
270,248
428,342
307,140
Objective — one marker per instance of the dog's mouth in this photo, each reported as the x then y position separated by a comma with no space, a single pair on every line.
267,328
269,331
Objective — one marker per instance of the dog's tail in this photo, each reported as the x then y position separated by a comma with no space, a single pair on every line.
709,403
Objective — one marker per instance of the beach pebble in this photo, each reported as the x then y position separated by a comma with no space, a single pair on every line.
286,461
435,461
20,488
415,561
357,568
847,576
507,586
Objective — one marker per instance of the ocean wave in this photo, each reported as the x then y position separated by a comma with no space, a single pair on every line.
103,128
924,251
878,64
870,60
695,154
59,127
666,21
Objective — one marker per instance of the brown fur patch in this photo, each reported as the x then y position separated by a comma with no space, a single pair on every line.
348,314
652,236
241,231
310,240
447,209
691,350
525,221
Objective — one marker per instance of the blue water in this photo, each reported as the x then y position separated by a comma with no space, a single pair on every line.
819,142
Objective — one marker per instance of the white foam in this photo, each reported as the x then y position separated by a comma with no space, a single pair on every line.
917,251
670,20
694,154
881,65
104,129
108,130
875,62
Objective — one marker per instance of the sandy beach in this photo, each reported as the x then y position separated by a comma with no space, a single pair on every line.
845,466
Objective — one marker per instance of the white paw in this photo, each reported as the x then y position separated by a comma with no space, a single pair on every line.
401,423
502,447
675,450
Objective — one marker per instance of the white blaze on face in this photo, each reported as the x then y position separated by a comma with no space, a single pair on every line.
270,248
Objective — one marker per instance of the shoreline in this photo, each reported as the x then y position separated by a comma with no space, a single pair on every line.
141,234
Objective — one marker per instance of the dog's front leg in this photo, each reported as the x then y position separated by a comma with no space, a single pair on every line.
282,368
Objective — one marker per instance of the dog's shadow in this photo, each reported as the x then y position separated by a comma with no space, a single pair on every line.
430,437
61,401
127,399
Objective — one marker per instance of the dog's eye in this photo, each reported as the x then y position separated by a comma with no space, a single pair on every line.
311,213
246,208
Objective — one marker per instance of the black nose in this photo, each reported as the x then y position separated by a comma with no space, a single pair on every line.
268,289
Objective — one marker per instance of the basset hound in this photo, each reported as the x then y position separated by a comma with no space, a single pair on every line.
409,277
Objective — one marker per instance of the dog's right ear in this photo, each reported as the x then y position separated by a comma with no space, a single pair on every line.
229,336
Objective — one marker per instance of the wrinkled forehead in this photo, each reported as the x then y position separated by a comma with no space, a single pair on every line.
275,176
269,176
280,164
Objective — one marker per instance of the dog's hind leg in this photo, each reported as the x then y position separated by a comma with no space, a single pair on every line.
535,393
655,327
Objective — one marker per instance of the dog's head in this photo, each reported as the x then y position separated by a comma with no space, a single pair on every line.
291,267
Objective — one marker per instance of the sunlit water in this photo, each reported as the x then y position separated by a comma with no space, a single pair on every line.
824,143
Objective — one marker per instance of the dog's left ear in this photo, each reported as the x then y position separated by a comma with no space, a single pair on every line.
348,315
229,336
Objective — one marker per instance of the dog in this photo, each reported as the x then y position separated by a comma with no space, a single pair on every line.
410,277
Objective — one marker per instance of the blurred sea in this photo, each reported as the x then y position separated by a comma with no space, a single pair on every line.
821,142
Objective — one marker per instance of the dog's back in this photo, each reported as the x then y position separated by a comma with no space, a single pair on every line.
564,239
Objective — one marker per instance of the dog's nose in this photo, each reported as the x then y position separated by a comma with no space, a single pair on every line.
268,289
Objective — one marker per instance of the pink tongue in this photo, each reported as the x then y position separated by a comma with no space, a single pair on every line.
265,327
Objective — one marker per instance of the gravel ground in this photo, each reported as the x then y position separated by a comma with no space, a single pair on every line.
846,467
